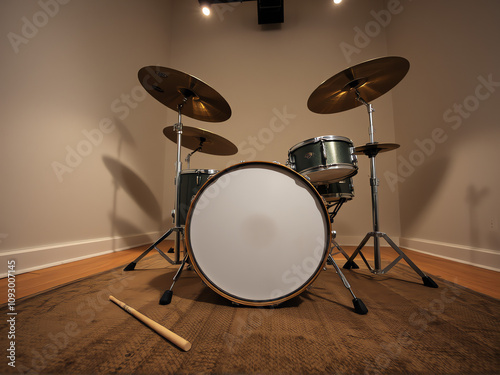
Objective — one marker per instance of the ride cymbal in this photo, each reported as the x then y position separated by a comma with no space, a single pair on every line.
174,88
202,140
369,80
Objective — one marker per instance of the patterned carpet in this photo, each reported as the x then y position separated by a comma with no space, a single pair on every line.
409,329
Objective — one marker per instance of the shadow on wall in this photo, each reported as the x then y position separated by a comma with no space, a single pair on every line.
125,135
136,188
426,180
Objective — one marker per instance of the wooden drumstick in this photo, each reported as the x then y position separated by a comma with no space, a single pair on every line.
158,328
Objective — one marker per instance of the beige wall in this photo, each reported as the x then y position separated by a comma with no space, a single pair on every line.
79,69
447,122
70,96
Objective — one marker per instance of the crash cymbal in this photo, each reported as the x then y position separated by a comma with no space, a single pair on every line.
370,79
372,149
173,88
194,138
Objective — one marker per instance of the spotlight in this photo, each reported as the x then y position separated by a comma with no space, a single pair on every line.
337,1
205,7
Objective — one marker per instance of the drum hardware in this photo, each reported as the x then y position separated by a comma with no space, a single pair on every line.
355,86
335,245
188,96
359,306
335,195
188,157
179,231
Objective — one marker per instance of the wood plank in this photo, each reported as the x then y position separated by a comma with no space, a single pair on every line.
38,281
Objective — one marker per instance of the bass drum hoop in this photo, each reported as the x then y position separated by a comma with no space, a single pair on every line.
252,302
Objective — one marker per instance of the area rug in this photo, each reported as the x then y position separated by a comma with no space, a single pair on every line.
409,329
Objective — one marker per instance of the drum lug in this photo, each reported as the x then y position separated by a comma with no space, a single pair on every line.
323,153
290,163
354,158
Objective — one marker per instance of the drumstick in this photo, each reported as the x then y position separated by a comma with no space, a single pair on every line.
158,328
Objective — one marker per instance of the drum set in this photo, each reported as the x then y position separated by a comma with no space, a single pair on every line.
259,233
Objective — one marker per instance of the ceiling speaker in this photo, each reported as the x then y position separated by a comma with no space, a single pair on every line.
270,11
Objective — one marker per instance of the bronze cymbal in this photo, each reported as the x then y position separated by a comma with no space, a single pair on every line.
370,79
372,149
204,140
174,88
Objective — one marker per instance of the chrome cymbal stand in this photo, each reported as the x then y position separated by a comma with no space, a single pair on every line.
376,234
178,229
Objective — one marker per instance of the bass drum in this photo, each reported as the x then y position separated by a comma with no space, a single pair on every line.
258,233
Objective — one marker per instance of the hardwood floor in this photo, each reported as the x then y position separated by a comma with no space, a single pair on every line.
475,278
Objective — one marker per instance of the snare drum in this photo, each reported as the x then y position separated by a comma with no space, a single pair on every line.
336,190
191,180
258,233
324,159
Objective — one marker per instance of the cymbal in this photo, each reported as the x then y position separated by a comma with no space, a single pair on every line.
370,79
194,138
173,88
372,149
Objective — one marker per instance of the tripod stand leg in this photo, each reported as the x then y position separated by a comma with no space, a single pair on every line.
131,265
341,251
359,306
350,262
166,298
426,279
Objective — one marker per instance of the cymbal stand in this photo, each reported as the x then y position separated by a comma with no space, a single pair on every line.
376,234
178,229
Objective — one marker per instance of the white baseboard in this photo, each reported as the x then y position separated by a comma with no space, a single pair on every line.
474,256
36,258
33,259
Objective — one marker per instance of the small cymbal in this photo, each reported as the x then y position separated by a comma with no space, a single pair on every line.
206,141
372,149
370,79
173,88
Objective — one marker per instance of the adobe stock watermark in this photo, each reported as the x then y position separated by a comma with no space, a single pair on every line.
454,117
266,135
92,138
30,26
56,342
372,29
222,8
